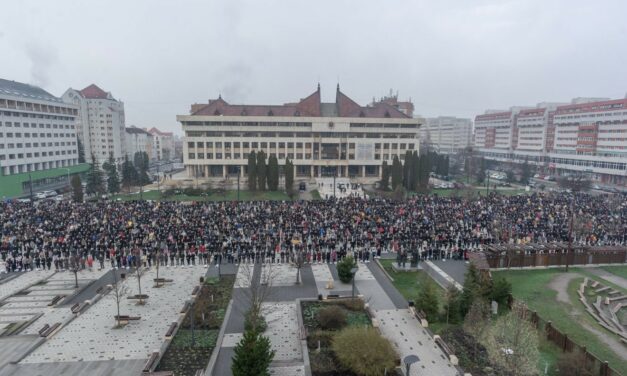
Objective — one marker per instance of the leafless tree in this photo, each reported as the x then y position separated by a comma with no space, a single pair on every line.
139,273
158,256
117,293
256,291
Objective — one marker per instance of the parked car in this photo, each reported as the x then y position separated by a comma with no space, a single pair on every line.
40,195
49,193
23,200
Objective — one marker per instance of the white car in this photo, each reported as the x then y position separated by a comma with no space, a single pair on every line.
50,193
24,200
40,195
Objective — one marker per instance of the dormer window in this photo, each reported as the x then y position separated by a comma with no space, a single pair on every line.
270,113
387,114
216,113
297,113
361,114
243,113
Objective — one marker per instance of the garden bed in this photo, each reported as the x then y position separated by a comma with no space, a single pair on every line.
184,356
320,332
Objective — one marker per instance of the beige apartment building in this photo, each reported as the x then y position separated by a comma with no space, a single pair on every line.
342,138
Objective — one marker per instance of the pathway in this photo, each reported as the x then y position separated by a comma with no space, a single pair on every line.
615,279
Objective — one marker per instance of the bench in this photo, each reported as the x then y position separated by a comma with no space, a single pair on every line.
163,280
55,300
75,308
49,330
447,351
43,330
151,363
185,308
199,372
195,290
127,318
171,330
333,296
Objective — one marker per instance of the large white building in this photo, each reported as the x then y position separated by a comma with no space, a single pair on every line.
589,135
100,124
163,144
447,134
138,141
340,138
37,130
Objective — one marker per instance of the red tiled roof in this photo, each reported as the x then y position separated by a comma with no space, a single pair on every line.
309,106
532,112
94,92
593,106
494,116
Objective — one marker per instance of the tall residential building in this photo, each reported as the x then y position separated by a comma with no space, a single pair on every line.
340,138
587,136
447,134
37,130
163,144
100,124
139,140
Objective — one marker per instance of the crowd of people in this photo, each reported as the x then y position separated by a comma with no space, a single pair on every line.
60,235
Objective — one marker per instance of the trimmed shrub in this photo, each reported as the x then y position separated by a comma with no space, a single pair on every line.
332,318
373,356
344,269
352,304
261,323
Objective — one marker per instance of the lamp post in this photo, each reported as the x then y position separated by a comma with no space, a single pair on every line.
353,272
409,360
487,186
30,185
239,168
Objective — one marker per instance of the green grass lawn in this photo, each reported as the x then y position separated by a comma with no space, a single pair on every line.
315,195
619,270
531,286
230,195
409,283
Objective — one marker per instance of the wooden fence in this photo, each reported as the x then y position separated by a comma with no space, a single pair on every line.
561,340
512,256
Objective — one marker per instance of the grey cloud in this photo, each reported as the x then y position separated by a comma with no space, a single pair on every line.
42,58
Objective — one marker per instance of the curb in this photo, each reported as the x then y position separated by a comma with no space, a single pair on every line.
216,350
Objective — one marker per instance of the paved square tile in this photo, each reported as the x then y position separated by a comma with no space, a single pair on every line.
283,330
231,339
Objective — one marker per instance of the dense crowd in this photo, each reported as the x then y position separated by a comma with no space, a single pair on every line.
52,234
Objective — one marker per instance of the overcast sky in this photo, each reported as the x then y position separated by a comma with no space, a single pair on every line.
450,57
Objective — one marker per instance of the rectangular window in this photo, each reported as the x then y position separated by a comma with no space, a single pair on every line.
192,156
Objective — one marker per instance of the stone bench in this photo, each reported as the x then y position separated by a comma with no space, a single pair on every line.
617,298
446,350
594,284
55,300
151,362
613,292
43,330
185,308
49,330
602,289
171,330
163,280
78,307
127,318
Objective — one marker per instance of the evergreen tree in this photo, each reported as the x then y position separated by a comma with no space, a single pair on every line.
273,173
141,162
77,188
129,174
253,355
252,174
261,171
81,150
289,176
407,170
427,301
113,179
481,171
526,172
397,172
415,179
385,176
94,178
446,165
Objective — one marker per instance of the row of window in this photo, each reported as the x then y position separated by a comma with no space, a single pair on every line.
235,134
36,154
290,145
9,124
36,116
292,156
20,145
35,135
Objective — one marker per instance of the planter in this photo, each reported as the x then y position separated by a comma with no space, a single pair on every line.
138,296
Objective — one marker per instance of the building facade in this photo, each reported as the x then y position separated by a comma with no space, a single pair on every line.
447,134
137,141
321,139
588,135
37,130
100,124
163,144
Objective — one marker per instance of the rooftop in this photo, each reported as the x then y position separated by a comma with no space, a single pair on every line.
310,106
94,92
135,130
19,89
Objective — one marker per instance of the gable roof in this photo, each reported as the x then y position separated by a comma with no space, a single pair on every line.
94,92
310,106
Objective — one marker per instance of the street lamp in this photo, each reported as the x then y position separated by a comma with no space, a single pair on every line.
239,168
409,360
68,175
353,272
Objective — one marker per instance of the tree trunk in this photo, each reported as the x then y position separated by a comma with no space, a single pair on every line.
75,279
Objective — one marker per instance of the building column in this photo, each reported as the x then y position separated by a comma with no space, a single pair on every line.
380,171
363,171
189,171
311,171
224,171
206,171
